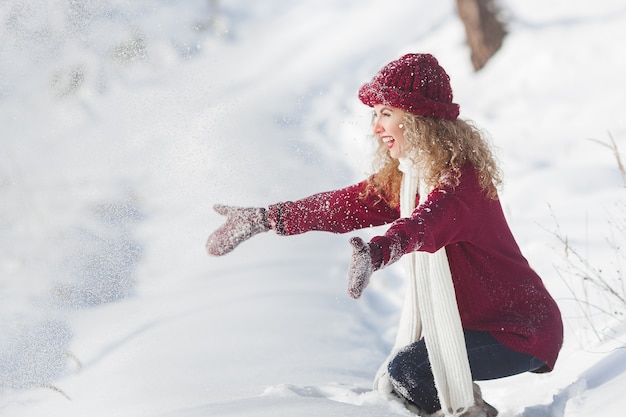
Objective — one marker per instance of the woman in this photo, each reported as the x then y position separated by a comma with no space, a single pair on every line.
473,309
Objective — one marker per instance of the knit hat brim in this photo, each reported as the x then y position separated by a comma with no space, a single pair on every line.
373,93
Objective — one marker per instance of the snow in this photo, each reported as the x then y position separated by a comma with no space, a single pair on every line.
124,122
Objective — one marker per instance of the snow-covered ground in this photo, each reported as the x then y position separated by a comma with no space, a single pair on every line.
123,122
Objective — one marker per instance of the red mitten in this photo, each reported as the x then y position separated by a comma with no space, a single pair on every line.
241,224
361,267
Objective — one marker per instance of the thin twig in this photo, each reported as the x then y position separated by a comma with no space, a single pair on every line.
56,389
618,157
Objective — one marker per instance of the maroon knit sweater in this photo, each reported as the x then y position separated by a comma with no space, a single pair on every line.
496,289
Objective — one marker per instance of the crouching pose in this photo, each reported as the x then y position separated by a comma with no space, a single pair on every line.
473,308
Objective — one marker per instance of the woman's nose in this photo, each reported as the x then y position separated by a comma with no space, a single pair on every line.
377,127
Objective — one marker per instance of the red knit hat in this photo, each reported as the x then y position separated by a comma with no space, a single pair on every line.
415,83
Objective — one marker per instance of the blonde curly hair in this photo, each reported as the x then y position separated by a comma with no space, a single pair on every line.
440,148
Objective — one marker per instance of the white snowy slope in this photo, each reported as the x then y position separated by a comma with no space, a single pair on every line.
123,122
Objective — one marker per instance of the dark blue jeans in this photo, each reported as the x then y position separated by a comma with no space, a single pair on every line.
413,379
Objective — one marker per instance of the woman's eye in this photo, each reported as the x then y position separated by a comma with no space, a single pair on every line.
383,113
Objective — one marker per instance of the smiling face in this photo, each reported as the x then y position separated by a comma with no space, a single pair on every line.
388,126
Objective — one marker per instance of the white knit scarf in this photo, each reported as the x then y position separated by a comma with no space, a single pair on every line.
430,308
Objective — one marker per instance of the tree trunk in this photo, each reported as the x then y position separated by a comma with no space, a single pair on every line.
483,28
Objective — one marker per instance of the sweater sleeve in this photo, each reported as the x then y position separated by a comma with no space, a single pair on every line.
338,211
449,215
